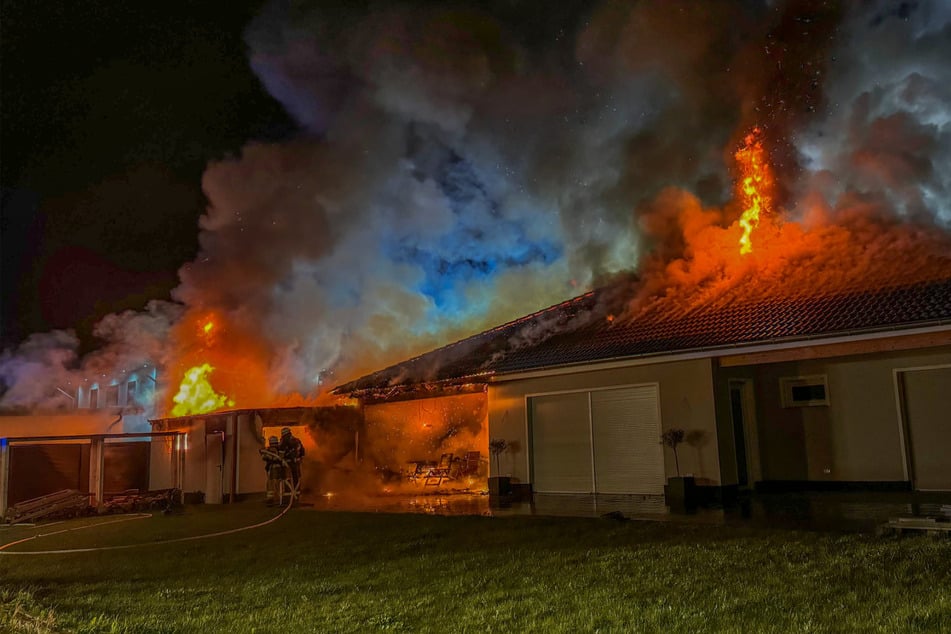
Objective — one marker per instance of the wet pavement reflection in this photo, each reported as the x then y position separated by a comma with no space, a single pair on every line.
821,511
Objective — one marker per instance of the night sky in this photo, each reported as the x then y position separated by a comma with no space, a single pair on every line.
106,134
110,114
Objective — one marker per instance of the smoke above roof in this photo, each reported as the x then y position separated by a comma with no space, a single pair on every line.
460,166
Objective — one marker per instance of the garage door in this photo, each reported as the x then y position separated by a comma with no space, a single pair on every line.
928,413
604,441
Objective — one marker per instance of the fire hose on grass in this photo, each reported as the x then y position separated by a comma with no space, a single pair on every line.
131,517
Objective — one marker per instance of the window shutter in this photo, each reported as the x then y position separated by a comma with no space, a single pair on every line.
561,443
628,456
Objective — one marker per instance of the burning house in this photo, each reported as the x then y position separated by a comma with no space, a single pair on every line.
813,390
757,192
790,356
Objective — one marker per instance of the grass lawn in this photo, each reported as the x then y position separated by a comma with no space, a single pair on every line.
350,572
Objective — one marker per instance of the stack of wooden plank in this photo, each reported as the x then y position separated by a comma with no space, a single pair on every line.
65,503
934,526
135,500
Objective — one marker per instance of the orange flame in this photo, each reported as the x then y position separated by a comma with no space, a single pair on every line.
195,394
757,180
243,364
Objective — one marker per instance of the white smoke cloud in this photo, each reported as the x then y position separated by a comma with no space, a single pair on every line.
37,367
45,370
887,131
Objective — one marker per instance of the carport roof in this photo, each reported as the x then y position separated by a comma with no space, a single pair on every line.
606,324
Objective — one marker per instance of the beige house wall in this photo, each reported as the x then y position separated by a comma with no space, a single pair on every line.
686,401
195,464
250,477
857,437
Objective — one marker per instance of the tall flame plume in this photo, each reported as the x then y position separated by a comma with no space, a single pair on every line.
755,184
196,395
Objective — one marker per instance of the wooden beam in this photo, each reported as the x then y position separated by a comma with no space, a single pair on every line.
96,470
894,343
4,476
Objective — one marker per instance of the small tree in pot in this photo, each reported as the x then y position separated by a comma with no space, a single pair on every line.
681,493
498,484
671,438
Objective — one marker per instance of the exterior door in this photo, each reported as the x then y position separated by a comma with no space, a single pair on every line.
214,467
927,407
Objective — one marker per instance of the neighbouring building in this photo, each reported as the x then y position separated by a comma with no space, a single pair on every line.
85,439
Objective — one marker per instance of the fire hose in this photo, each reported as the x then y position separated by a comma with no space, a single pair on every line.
128,518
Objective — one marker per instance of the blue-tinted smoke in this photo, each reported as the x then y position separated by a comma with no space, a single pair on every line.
479,245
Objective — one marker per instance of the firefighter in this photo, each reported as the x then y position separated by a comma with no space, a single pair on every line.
293,451
274,466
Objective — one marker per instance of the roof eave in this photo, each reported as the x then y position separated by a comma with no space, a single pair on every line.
717,351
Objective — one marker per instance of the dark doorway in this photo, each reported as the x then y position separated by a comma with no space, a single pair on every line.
42,469
924,396
126,466
739,434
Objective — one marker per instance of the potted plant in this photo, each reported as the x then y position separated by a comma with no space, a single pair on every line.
680,491
499,484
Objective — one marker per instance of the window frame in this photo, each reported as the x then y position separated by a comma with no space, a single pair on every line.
787,383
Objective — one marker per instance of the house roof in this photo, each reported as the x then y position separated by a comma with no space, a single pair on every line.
606,324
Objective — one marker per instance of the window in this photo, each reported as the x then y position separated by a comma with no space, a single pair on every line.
94,398
112,396
804,391
130,392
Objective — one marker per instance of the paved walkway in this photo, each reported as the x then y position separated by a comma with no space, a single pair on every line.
827,511
836,511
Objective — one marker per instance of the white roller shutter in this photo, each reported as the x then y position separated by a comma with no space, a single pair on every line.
561,443
628,456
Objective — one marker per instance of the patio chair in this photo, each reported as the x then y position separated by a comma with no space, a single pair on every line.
440,472
413,471
470,463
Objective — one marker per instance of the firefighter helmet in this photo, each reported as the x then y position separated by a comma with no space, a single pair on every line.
272,441
285,431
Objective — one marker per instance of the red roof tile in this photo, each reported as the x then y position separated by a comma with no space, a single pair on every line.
583,329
